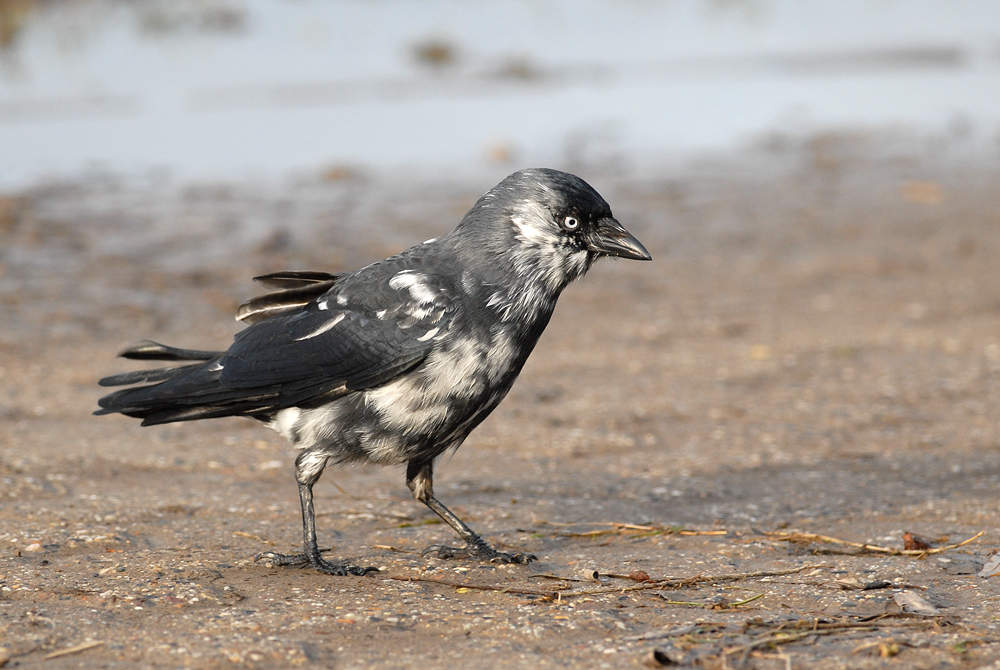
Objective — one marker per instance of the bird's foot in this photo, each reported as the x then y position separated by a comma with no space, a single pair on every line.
478,549
326,567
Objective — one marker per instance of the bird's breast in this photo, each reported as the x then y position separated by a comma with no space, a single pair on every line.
456,381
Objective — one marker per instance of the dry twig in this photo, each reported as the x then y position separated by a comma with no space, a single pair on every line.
479,587
775,638
781,635
670,582
825,539
675,582
255,537
714,605
389,547
74,650
618,528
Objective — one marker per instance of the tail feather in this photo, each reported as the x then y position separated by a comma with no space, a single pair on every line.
147,350
141,376
174,414
194,391
182,393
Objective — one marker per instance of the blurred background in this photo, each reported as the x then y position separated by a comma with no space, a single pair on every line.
816,345
230,89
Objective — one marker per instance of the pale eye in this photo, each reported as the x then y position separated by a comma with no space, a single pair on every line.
571,223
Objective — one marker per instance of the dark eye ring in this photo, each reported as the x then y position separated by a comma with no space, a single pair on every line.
571,223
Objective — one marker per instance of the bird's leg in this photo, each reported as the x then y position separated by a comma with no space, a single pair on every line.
420,480
306,477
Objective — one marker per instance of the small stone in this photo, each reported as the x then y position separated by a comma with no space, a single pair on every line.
911,602
33,547
992,567
659,658
876,584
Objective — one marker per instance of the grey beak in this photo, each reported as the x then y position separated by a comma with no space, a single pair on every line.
611,239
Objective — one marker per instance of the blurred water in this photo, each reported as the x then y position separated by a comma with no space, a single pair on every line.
228,89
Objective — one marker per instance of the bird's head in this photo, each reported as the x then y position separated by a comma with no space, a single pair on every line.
551,225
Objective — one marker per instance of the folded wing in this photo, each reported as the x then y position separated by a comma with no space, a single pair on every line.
299,356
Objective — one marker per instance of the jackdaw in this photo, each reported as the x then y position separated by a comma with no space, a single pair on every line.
399,361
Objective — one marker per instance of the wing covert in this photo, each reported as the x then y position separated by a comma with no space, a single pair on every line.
330,347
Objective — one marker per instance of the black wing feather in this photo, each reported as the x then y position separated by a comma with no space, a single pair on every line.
356,352
297,289
295,356
288,279
140,377
147,350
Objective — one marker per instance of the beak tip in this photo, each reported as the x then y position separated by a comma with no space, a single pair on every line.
630,248
617,242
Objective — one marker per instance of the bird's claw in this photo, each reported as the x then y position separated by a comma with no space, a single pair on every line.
479,550
326,567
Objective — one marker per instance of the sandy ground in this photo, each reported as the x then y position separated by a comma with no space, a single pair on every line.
815,349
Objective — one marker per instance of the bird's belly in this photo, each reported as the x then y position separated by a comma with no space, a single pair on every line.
418,415
434,407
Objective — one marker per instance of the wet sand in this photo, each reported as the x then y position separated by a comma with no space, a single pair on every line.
815,349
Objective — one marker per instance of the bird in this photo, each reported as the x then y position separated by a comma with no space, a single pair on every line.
397,362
